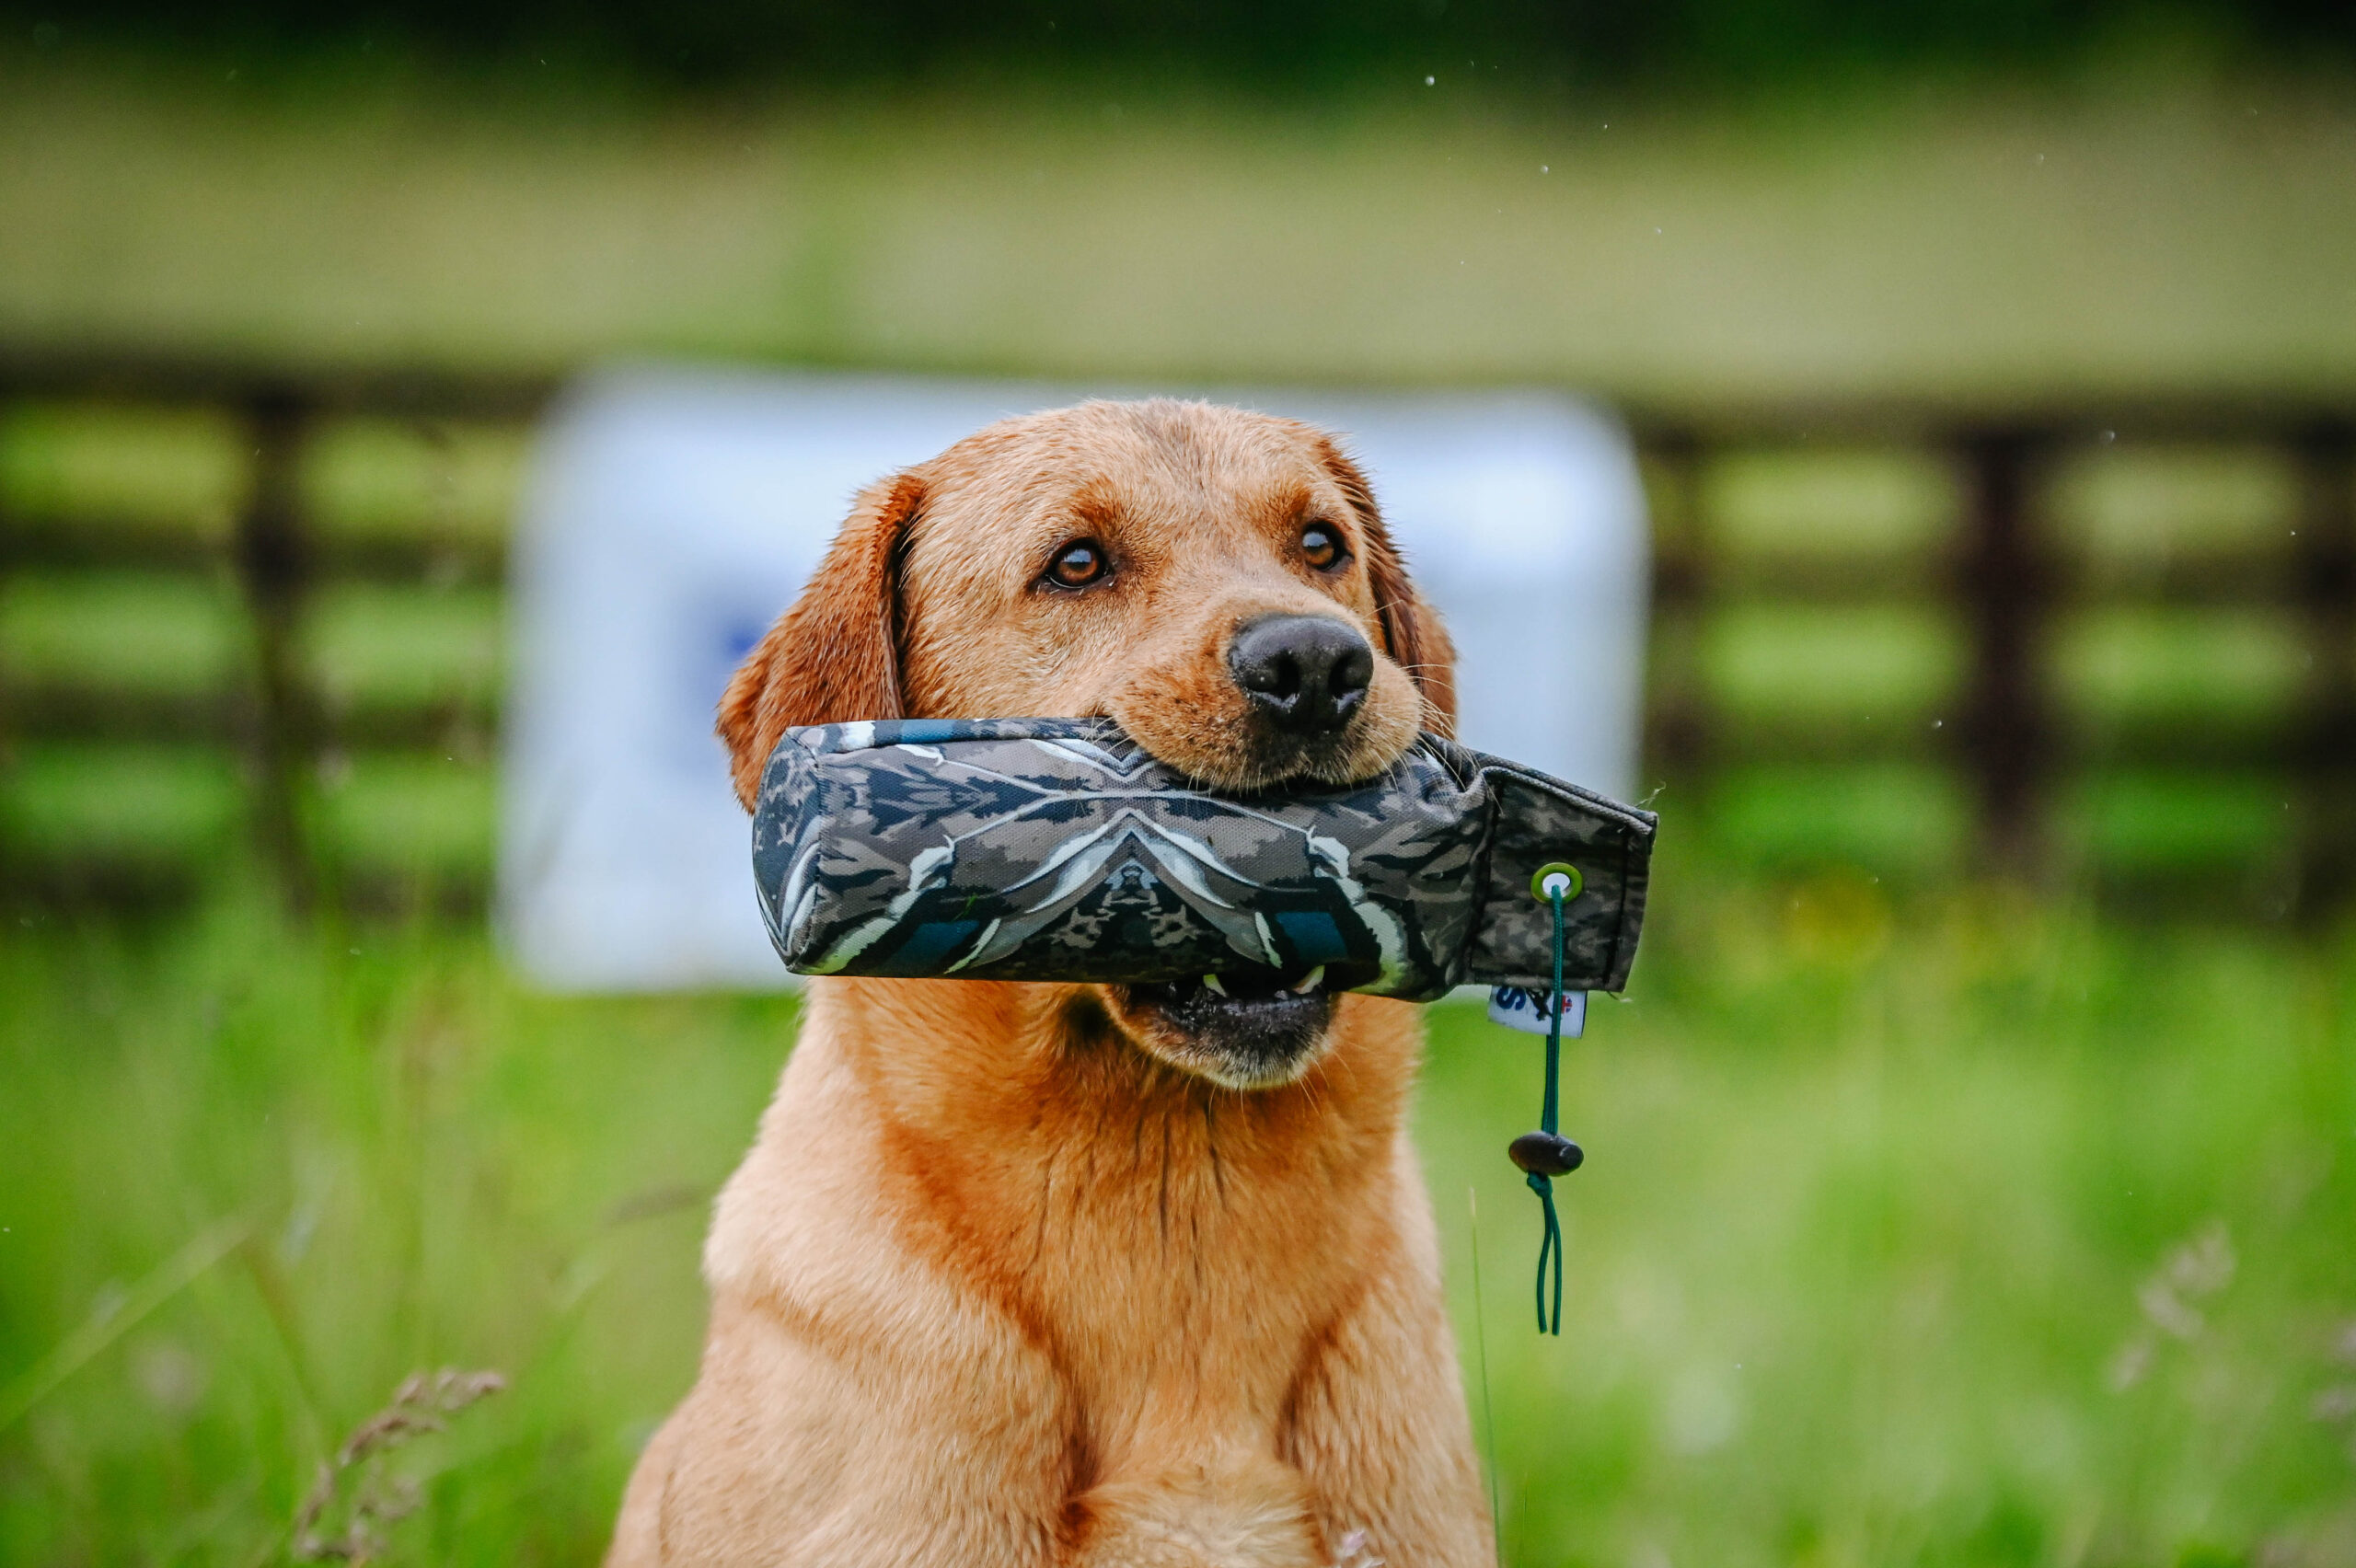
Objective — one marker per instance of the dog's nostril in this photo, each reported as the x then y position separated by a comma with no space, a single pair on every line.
1352,673
1306,673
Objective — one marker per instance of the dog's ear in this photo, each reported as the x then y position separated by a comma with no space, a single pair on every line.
834,655
1412,632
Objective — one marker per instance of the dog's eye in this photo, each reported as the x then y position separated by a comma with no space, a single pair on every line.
1321,546
1078,564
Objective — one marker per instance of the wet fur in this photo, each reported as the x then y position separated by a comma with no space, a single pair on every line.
1006,1282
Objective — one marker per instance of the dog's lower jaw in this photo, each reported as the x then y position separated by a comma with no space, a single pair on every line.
1263,1036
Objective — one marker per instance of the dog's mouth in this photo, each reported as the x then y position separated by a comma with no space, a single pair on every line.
1241,750
1248,1026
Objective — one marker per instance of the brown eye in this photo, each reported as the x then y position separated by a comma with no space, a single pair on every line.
1078,564
1321,546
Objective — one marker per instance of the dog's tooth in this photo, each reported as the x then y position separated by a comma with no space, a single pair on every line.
1211,982
1311,981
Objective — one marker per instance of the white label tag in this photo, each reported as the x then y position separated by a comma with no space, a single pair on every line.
1522,1008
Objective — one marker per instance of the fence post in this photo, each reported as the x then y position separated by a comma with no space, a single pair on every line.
2326,553
274,566
2006,731
1676,720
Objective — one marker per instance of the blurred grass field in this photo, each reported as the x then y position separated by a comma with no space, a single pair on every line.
1870,1263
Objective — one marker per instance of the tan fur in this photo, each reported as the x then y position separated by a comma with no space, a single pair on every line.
1003,1283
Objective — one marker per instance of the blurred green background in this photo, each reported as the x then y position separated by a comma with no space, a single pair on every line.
1932,1217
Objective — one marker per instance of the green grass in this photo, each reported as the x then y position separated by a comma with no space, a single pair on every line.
1869,1201
1854,1265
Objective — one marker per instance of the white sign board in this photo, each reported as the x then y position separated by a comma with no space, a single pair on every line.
672,514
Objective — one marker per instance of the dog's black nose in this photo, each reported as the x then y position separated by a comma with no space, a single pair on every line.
1307,673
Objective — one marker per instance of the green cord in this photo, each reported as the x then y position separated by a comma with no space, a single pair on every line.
1551,1249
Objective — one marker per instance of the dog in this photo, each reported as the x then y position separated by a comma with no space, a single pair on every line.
1040,1275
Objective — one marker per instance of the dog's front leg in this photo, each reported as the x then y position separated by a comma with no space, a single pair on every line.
1379,1420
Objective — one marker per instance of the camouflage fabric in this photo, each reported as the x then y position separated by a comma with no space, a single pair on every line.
1058,849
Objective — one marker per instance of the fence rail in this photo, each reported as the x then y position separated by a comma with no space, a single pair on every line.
2004,578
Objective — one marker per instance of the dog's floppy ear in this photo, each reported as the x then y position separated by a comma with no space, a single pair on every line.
1412,632
834,655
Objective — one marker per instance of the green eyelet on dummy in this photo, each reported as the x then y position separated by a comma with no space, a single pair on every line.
1538,889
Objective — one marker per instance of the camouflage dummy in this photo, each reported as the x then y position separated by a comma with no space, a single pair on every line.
1058,849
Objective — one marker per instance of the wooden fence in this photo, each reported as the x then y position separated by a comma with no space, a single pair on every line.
2002,578
273,718
2006,577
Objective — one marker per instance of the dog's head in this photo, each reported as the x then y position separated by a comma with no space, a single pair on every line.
1219,582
